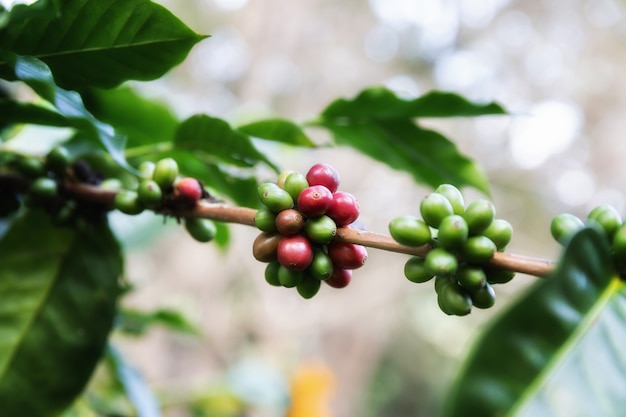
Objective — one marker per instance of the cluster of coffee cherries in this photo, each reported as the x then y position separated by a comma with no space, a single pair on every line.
42,186
162,189
299,220
461,241
607,219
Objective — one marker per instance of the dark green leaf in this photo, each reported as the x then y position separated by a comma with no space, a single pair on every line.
143,121
278,130
139,394
70,105
138,322
104,42
428,156
559,350
59,289
215,138
21,13
381,103
16,112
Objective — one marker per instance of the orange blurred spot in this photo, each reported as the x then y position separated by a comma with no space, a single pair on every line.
311,388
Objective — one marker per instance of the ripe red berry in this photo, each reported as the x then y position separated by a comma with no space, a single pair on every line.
344,209
340,278
313,201
295,252
187,191
323,174
347,255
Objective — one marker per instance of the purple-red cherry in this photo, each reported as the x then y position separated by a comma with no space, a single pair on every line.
323,174
313,201
347,255
295,252
340,278
187,191
344,209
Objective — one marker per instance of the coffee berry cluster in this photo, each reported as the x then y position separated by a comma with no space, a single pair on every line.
162,189
462,239
299,218
607,219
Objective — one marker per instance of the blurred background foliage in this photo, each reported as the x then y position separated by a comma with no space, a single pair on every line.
380,347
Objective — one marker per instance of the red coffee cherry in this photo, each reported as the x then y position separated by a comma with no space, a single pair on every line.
347,255
340,278
313,201
295,252
187,191
344,209
289,222
323,174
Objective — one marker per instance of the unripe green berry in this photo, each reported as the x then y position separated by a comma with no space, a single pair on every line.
165,173
440,262
295,182
454,300
321,266
202,230
478,249
607,218
265,220
320,229
308,286
57,159
128,202
564,226
619,247
280,181
415,270
149,193
498,276
289,278
471,278
441,281
274,197
146,168
43,189
434,208
30,167
111,184
409,231
484,297
479,214
271,274
454,196
500,232
453,232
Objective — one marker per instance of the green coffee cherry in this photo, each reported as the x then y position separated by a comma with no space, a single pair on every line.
57,159
409,231
500,232
128,202
165,173
320,229
434,208
289,278
321,266
30,167
498,276
271,274
146,168
149,193
202,230
454,196
295,182
484,297
454,300
478,249
280,181
441,281
43,189
471,278
415,270
479,214
265,220
308,286
113,184
564,226
607,218
453,232
619,247
440,262
274,198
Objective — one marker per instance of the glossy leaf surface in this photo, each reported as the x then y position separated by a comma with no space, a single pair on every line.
558,351
59,289
277,130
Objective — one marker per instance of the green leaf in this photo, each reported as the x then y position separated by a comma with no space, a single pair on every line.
215,138
559,350
381,103
21,13
427,155
103,42
278,130
138,322
381,125
16,112
59,289
70,105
